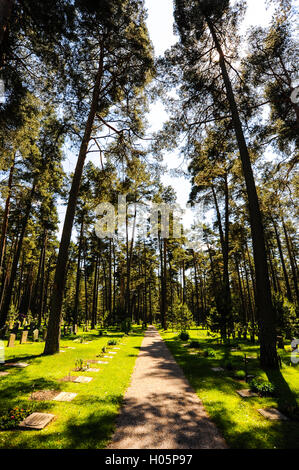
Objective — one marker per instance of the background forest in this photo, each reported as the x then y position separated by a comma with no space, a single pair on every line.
79,77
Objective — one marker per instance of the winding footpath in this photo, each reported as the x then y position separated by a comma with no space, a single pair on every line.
160,409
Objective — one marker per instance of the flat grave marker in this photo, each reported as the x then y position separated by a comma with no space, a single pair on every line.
92,369
102,362
83,380
65,396
246,393
273,414
4,374
37,421
217,369
21,365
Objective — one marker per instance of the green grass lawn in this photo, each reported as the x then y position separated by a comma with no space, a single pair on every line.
237,418
88,421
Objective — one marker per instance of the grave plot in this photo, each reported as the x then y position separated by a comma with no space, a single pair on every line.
68,378
273,414
44,395
21,365
37,421
246,393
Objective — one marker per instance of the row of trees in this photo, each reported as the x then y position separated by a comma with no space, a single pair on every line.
78,76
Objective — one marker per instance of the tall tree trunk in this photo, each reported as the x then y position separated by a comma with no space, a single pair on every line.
6,214
293,265
55,318
78,275
284,269
266,314
8,294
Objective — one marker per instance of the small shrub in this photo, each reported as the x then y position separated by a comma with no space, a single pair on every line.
239,374
263,387
81,364
209,353
112,342
184,336
194,344
10,419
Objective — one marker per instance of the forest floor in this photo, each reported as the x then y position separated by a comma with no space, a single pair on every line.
237,418
161,410
88,421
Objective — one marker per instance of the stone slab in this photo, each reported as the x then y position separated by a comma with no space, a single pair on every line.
246,393
65,396
83,380
272,414
102,362
17,364
4,374
37,421
111,352
91,369
217,369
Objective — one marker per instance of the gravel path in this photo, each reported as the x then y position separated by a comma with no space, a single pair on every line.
160,409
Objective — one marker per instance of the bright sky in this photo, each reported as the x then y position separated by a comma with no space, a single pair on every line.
160,25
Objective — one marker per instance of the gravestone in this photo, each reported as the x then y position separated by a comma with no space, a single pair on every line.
11,341
21,365
92,369
37,421
217,369
45,335
65,396
273,414
246,393
75,329
83,380
35,335
70,330
24,337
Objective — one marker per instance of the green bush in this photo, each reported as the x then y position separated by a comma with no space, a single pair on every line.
126,326
263,387
239,374
184,336
112,342
10,419
209,353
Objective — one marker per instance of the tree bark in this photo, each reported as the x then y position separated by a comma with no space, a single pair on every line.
266,314
55,318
